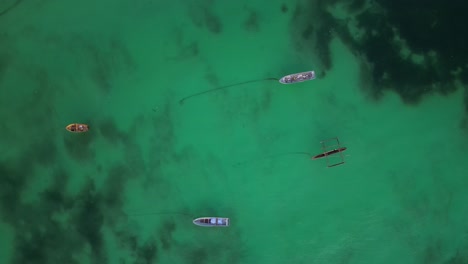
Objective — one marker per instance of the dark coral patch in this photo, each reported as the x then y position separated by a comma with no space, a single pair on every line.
80,146
414,49
109,130
252,23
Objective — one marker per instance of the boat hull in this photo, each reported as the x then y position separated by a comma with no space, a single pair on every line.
77,128
298,77
328,153
212,221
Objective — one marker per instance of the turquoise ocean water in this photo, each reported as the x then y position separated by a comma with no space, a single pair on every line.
127,190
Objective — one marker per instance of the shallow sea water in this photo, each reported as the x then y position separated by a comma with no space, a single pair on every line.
127,190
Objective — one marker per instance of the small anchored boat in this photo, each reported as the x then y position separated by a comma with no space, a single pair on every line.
298,77
330,150
212,221
288,79
77,128
328,153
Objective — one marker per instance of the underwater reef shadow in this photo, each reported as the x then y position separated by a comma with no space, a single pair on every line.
9,8
202,16
66,225
57,226
252,21
405,54
80,147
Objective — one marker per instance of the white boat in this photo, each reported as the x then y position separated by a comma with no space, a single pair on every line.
298,77
212,221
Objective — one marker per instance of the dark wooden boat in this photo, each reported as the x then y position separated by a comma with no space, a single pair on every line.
77,128
330,147
330,152
212,221
298,77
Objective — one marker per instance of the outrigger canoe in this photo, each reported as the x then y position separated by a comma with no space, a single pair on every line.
328,153
330,150
77,128
212,221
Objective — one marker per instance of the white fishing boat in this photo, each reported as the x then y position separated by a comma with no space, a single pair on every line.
298,77
212,221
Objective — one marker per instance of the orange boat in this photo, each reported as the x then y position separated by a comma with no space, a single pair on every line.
77,128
